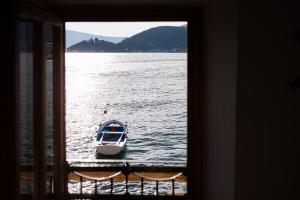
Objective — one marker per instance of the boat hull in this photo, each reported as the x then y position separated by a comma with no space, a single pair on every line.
110,149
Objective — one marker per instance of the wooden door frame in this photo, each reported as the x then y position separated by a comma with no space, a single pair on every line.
39,17
195,17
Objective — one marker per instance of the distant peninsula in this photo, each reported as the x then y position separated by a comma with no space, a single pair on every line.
73,37
158,39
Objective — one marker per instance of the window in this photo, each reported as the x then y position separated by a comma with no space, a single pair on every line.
26,109
39,78
130,71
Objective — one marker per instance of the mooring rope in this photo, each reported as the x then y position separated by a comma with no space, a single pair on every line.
104,178
157,179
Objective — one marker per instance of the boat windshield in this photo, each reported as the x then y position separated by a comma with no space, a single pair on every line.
111,137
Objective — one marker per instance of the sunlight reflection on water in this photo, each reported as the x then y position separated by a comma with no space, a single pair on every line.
147,90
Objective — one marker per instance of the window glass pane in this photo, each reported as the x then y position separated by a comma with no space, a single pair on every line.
26,108
48,48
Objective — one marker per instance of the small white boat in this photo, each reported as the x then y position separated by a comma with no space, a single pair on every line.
111,137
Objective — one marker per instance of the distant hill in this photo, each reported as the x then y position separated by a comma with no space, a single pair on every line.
93,45
163,38
73,37
158,39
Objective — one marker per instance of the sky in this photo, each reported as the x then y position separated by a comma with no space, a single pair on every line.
117,29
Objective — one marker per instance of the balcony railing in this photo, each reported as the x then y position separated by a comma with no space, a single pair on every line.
111,182
118,181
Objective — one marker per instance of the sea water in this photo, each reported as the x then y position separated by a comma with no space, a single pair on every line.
146,90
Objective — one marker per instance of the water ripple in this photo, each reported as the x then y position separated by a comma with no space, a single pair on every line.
149,91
